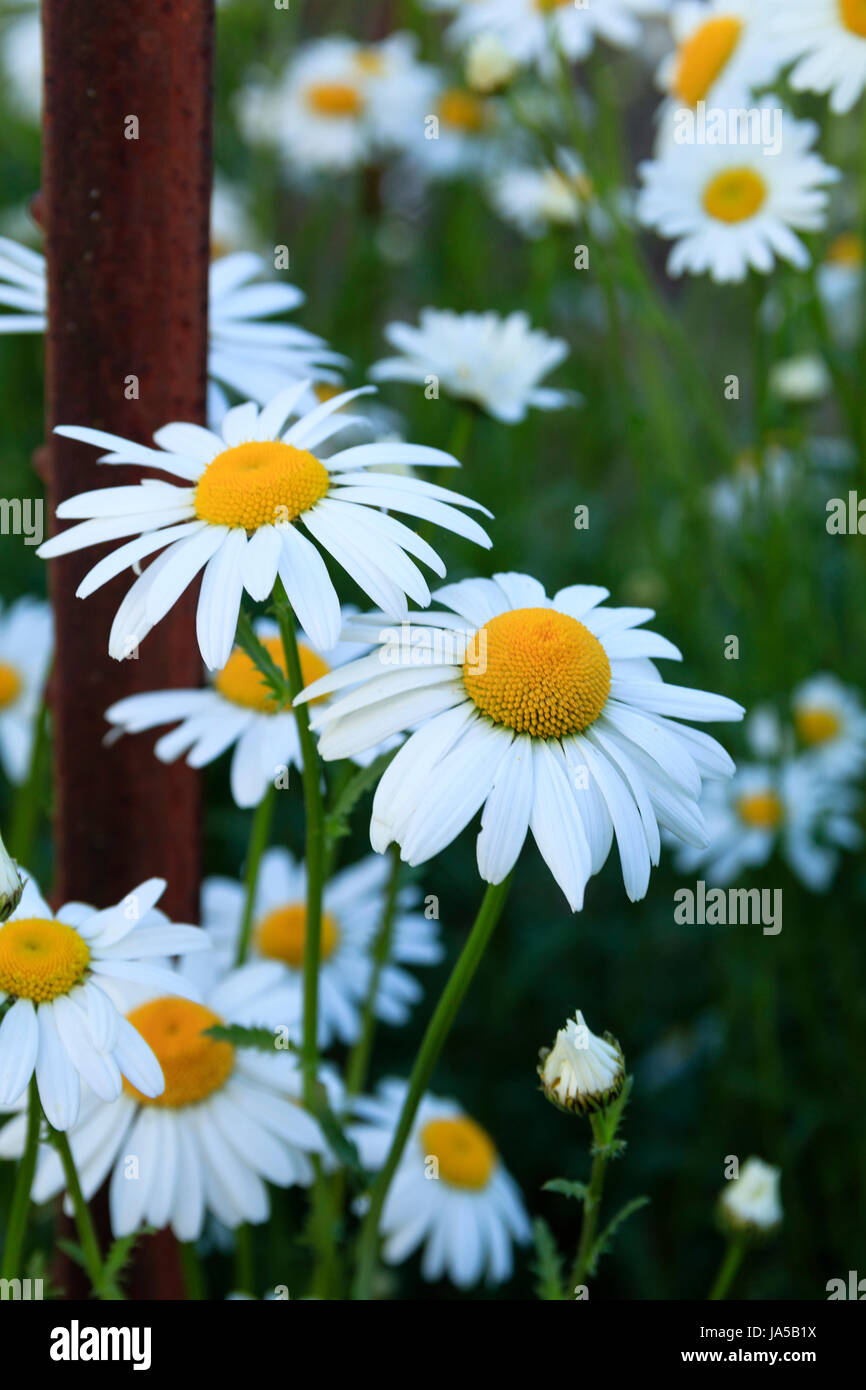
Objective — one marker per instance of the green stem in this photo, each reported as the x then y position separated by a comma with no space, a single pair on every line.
315,847
17,1225
245,1264
591,1203
425,1062
193,1274
359,1059
260,833
25,816
83,1220
728,1268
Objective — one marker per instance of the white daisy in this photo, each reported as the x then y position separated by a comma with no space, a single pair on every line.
751,1201
26,645
451,134
227,1122
734,206
830,724
353,905
826,42
236,517
794,808
548,713
496,363
581,1071
840,285
57,974
533,30
451,1193
534,199
722,53
237,709
248,352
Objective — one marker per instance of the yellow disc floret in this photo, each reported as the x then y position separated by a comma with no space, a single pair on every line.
281,935
461,110
259,484
194,1065
704,56
10,685
41,958
846,250
816,726
853,14
463,1151
735,195
761,810
336,99
538,672
242,682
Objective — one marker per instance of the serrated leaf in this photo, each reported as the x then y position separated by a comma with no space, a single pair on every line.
548,1263
566,1188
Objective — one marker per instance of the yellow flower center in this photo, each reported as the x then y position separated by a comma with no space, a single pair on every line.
461,110
548,6
242,682
817,725
10,685
259,484
761,810
335,99
853,14
735,195
464,1152
282,934
41,959
371,62
327,390
194,1065
538,672
847,250
703,56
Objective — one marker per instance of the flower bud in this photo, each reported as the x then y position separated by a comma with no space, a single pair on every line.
750,1204
11,886
489,65
581,1071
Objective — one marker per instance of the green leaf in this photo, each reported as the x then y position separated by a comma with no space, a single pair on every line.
117,1261
261,658
567,1188
612,1227
548,1263
262,1039
337,820
74,1251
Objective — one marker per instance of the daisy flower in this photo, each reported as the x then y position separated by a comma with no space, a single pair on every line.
496,363
225,1124
826,42
830,723
57,974
722,53
581,1071
238,516
751,1201
840,285
732,207
533,30
451,1192
451,136
247,352
353,906
237,709
535,199
548,713
26,645
794,808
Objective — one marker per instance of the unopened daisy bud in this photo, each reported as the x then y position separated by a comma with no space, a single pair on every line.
11,886
581,1071
489,65
750,1203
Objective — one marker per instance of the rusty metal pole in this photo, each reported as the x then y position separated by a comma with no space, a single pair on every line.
126,190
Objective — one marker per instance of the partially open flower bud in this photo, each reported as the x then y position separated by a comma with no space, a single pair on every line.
489,65
11,886
581,1071
750,1204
